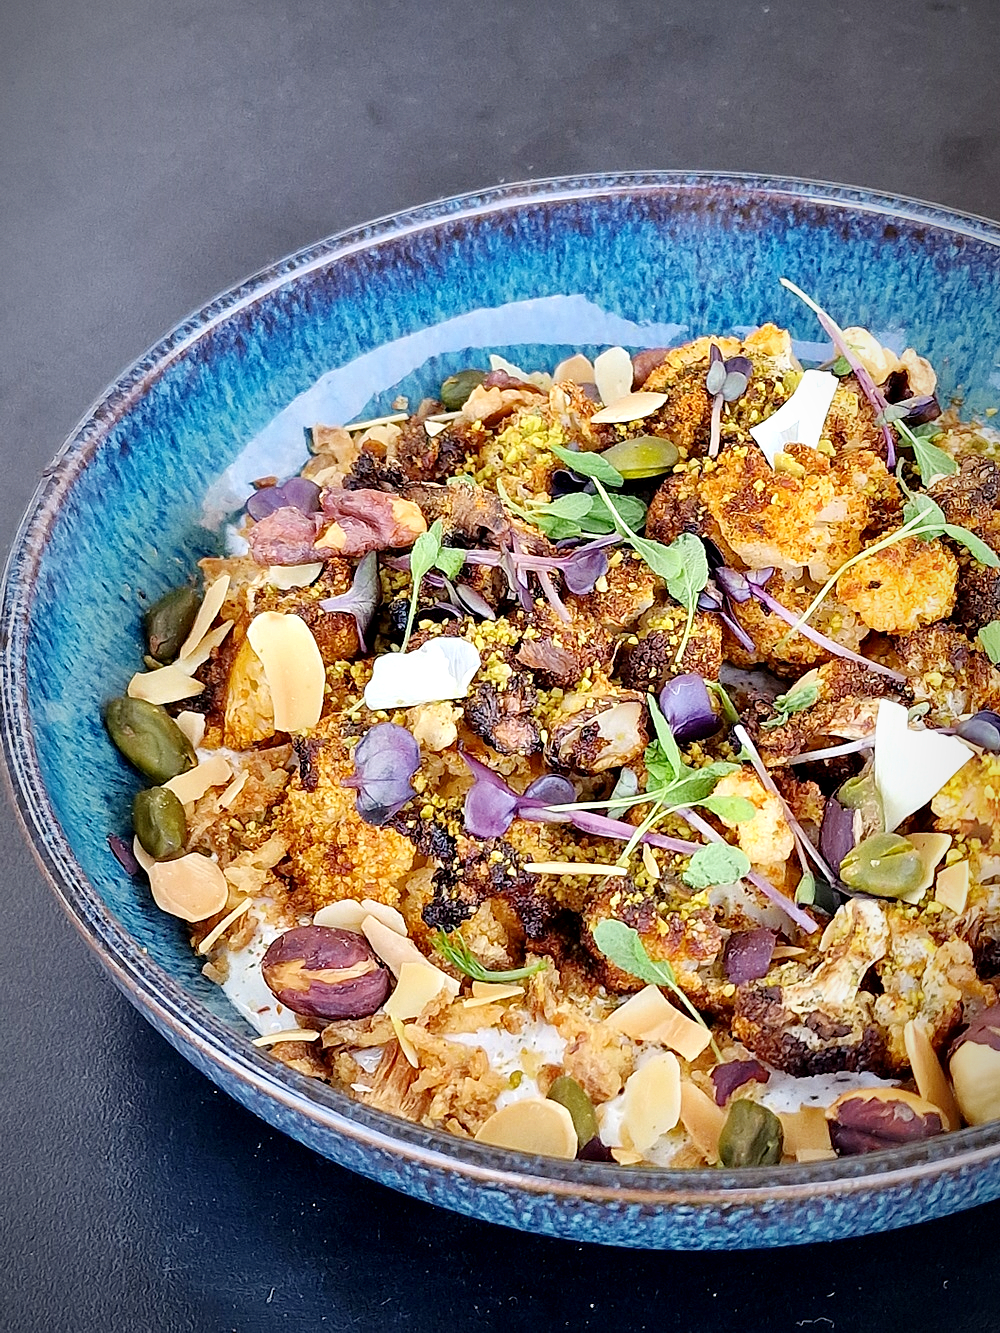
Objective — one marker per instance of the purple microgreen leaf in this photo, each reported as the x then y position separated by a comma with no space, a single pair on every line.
735,1074
123,854
747,955
385,759
836,832
549,789
716,376
982,729
686,705
296,493
735,585
362,599
583,568
472,601
734,385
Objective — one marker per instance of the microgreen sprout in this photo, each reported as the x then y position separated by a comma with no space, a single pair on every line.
453,948
988,639
802,695
429,553
726,381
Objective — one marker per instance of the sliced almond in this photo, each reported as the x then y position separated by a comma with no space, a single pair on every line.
288,1034
571,868
681,1034
805,1155
649,861
347,914
651,1101
233,790
626,1156
931,848
953,886
787,951
142,856
434,428
931,1080
166,686
395,950
577,369
193,726
405,1045
702,1119
215,771
534,1125
218,931
640,1013
613,375
632,407
211,604
293,668
496,990
191,887
202,651
418,984
806,1129
284,577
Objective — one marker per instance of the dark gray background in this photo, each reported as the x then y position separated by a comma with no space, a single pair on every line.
152,154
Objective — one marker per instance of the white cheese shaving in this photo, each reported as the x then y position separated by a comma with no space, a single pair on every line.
911,766
801,419
439,669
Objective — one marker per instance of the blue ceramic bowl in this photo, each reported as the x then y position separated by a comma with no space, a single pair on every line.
135,496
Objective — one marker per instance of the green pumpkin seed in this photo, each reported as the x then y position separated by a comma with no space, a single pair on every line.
168,622
149,738
159,822
885,865
456,388
642,456
567,1092
861,794
751,1136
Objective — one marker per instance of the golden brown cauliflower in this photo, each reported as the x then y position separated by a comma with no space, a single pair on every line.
969,803
902,587
767,838
946,670
774,644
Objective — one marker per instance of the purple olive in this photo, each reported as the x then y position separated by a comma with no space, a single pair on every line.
836,833
322,972
982,729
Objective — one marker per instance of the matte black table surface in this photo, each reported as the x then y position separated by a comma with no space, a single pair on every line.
152,153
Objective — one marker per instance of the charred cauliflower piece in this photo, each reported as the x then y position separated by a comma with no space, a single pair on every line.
649,663
630,589
593,731
902,587
503,716
946,670
767,838
774,644
971,499
968,805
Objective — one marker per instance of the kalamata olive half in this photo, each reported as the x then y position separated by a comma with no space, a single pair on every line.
322,972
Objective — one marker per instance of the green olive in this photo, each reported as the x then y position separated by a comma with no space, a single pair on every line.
159,822
456,388
149,738
168,622
567,1092
885,865
751,1136
642,456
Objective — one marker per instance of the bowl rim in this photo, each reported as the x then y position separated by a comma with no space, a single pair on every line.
155,992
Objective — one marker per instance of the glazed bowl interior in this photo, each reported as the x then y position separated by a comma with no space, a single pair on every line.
338,333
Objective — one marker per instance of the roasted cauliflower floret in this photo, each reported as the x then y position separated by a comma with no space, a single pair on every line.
627,591
946,670
968,804
767,837
773,641
594,731
648,664
900,588
812,519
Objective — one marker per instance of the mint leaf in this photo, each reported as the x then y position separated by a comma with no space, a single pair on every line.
978,548
575,506
718,863
733,809
589,465
622,946
988,639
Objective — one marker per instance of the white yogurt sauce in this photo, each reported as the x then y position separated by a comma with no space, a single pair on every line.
538,1043
785,1093
245,988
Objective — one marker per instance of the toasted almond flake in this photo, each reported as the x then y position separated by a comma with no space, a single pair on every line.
952,887
702,1119
166,686
347,914
191,887
681,1034
930,1078
396,950
215,771
534,1125
405,1045
434,428
496,990
361,1087
285,577
578,369
444,416
911,765
805,1129
932,848
293,668
142,856
288,1034
613,375
649,861
641,1013
571,868
200,654
211,605
633,407
234,789
815,1155
193,726
418,985
626,1156
787,951
391,420
651,1104
218,931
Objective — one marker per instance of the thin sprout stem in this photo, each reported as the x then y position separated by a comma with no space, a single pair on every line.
687,631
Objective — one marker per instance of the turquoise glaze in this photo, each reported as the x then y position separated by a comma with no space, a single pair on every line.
531,271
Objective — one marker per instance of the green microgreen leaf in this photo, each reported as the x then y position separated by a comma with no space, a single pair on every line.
589,465
802,695
689,581
988,639
574,506
423,555
728,707
669,748
718,863
454,949
841,367
973,544
450,561
932,461
733,809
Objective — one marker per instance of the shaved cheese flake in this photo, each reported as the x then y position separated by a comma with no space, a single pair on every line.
613,374
347,914
571,868
396,950
165,686
418,985
211,604
930,1078
576,369
405,1045
931,848
216,933
288,1034
233,790
439,669
632,407
192,785
911,766
651,1104
284,577
533,1124
203,651
191,887
702,1119
193,726
293,668
801,419
952,887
